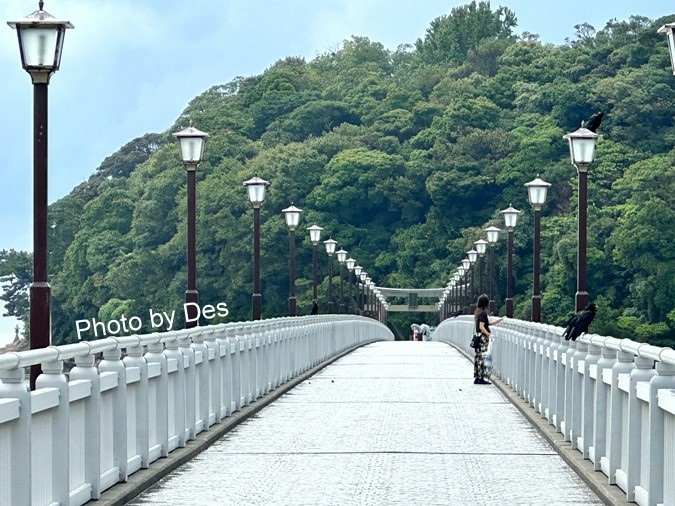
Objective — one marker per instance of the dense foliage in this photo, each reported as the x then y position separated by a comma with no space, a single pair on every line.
403,157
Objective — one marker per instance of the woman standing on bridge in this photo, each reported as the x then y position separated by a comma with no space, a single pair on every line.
483,328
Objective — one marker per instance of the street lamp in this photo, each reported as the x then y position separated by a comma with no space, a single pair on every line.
460,291
582,151
191,144
315,237
379,306
472,254
342,259
351,264
375,301
669,29
256,194
536,191
330,244
449,302
41,38
462,287
466,265
492,238
455,290
510,218
292,217
481,248
363,275
367,297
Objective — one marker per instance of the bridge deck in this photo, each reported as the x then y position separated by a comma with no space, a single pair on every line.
391,423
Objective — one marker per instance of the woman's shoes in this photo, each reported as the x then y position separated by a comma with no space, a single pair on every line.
481,381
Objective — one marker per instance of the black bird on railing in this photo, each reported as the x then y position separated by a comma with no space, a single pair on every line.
579,323
593,122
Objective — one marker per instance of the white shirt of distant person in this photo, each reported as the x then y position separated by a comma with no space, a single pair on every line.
160,320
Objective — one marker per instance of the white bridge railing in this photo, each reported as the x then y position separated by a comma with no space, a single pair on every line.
612,399
80,433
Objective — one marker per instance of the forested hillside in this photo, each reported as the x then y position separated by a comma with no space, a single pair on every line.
403,156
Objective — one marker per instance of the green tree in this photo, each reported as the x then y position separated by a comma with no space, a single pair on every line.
450,38
16,276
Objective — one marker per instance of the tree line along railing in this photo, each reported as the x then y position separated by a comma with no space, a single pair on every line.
79,433
612,399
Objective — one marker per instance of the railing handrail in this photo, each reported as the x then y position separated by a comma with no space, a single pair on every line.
105,420
15,359
612,399
625,345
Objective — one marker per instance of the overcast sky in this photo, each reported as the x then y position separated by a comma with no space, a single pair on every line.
131,66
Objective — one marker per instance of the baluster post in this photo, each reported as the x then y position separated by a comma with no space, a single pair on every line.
84,370
155,355
133,359
52,377
14,386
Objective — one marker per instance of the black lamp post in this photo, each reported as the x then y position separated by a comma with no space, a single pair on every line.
357,279
377,303
292,217
366,296
41,38
461,298
466,266
351,265
451,295
362,296
458,297
467,295
449,298
582,151
315,237
481,248
256,194
492,238
510,218
374,300
472,254
536,191
342,259
330,244
191,143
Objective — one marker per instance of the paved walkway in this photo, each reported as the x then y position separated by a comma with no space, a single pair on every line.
395,423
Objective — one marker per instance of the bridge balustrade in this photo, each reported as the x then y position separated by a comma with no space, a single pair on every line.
612,399
79,433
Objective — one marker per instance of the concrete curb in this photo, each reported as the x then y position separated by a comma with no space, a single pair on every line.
143,479
596,480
